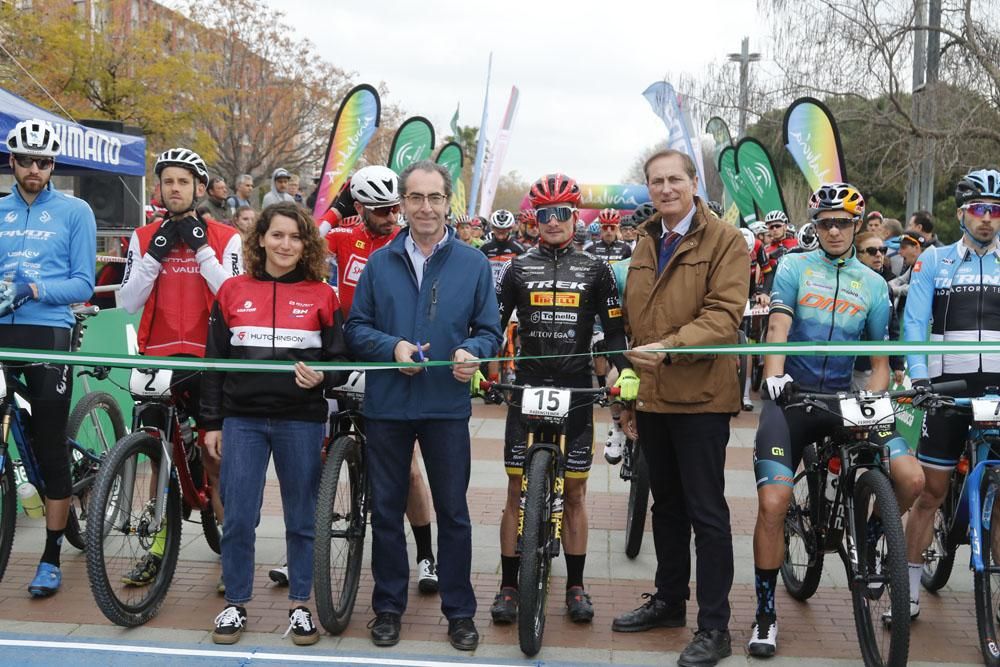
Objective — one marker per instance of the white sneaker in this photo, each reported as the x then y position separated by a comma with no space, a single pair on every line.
763,638
914,612
613,447
427,577
279,575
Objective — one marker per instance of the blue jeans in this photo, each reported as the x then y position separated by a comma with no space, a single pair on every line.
247,445
445,446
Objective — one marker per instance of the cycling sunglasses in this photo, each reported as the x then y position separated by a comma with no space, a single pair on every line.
826,224
25,162
979,210
871,252
384,210
560,213
776,225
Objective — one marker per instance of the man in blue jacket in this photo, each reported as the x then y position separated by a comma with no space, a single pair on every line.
47,249
424,296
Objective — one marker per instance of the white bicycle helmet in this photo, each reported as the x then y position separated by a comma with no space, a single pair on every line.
502,219
184,158
35,138
749,237
806,237
758,227
375,186
776,216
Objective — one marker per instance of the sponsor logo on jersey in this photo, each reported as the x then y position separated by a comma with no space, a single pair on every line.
352,272
555,284
614,312
248,307
11,217
918,266
547,316
821,302
567,299
45,216
359,244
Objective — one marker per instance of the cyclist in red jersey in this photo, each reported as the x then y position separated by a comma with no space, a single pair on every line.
528,233
375,194
173,269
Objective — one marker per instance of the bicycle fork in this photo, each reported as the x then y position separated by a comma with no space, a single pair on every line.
980,512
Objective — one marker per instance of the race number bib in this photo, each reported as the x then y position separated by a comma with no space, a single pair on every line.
148,382
870,412
545,402
986,410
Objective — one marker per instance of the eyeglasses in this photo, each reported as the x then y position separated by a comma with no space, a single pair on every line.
978,210
871,252
434,199
559,213
827,224
384,210
776,225
25,161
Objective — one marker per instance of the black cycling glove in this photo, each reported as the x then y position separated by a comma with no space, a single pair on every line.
163,240
193,231
344,203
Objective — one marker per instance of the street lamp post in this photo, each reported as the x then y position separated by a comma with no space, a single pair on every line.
744,58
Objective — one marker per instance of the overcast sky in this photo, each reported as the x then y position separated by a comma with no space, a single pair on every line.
580,66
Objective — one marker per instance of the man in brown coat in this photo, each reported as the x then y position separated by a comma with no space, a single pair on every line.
687,285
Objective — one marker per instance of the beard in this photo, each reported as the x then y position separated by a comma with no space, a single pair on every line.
32,186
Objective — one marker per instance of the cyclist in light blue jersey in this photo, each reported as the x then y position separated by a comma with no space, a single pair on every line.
823,295
954,296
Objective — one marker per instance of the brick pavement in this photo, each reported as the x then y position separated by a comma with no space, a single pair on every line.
822,628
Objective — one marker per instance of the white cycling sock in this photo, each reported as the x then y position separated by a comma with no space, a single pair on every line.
915,569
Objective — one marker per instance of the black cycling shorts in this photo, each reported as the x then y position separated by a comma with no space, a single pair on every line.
50,390
579,430
943,435
783,434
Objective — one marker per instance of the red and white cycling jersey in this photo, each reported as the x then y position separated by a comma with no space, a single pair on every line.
351,247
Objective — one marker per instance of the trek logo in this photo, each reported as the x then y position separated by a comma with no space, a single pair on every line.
567,299
813,300
557,284
11,217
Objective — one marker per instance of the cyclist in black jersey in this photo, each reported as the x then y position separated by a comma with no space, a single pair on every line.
502,245
559,293
608,247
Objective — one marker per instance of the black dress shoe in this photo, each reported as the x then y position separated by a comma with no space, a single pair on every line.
707,648
385,628
462,634
654,613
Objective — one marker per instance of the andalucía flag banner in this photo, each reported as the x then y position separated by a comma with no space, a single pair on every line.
353,128
413,142
811,137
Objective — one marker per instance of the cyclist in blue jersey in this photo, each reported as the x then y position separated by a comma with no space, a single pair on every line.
48,244
823,295
954,295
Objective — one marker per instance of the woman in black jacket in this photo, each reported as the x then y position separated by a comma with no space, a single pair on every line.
279,310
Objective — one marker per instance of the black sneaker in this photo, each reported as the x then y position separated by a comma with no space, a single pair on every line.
462,634
229,624
504,608
707,648
144,572
301,626
654,613
385,628
578,605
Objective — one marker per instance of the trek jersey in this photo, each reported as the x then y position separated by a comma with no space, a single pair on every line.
829,300
609,252
51,243
351,247
559,293
499,253
956,294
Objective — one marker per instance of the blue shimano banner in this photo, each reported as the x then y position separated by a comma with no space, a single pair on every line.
84,147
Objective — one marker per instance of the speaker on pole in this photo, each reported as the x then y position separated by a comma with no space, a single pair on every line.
117,200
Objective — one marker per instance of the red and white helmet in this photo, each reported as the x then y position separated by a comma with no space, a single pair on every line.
554,189
609,216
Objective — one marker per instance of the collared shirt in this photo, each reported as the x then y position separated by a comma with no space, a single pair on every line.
681,227
417,257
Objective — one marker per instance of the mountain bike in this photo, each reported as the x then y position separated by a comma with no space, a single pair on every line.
151,480
93,426
843,502
341,510
545,411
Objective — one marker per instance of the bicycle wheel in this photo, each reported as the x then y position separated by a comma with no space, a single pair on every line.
121,498
881,583
803,563
340,534
987,582
536,562
937,568
95,425
743,362
638,499
209,524
8,513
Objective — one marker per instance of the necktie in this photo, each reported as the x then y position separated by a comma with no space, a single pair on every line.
668,244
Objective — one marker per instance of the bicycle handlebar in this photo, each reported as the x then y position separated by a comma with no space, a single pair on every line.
488,385
938,389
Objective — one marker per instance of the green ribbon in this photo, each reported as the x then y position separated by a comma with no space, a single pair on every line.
837,349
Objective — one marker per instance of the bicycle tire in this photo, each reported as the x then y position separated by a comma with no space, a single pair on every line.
536,563
743,362
105,564
340,517
638,500
802,566
987,587
936,572
872,632
98,442
209,524
8,513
